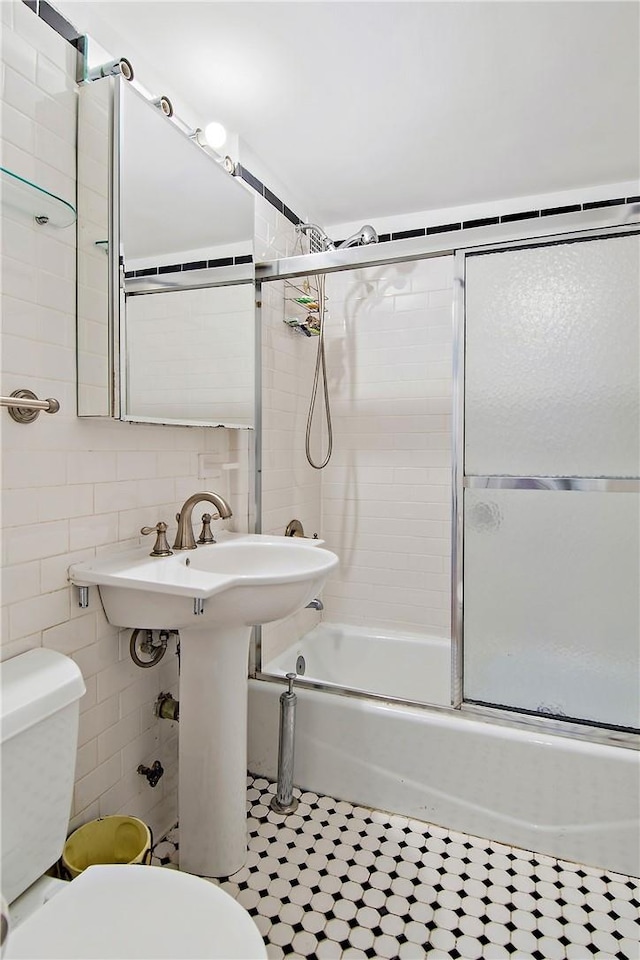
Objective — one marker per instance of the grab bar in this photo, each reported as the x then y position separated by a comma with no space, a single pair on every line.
24,406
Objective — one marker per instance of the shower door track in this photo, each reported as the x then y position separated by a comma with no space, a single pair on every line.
481,713
562,228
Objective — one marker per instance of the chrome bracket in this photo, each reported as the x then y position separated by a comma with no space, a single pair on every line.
198,606
83,597
24,405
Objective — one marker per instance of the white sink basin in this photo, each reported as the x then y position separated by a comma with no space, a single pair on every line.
244,579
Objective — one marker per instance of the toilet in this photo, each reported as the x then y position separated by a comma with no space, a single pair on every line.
111,911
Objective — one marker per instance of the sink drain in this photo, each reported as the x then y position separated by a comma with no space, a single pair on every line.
301,666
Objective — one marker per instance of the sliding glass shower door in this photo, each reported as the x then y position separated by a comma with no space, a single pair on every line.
550,532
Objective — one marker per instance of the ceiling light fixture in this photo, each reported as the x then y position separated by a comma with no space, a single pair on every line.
215,135
211,139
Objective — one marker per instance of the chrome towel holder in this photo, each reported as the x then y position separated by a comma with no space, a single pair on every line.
25,407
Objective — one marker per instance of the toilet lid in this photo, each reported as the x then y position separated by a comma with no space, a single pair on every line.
146,913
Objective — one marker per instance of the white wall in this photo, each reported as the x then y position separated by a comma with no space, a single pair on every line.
383,503
73,487
386,493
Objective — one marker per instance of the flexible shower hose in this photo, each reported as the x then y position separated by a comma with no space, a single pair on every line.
321,366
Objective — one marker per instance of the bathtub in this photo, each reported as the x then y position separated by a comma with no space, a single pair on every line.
354,657
563,797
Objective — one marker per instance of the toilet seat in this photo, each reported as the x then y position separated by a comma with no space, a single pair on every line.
130,911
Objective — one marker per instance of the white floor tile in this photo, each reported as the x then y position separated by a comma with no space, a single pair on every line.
336,881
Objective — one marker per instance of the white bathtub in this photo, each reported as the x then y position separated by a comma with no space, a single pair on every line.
418,667
562,797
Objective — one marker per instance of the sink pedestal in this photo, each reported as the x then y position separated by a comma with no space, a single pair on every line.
212,785
212,596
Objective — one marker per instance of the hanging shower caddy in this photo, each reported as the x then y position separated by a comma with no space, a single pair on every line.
301,306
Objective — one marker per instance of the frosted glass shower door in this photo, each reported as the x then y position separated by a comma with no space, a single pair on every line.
551,511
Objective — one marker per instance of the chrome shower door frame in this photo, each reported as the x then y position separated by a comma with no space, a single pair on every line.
601,733
558,228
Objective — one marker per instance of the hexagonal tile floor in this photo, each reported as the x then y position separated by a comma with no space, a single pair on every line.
336,880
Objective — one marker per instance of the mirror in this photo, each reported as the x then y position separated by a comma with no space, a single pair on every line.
166,320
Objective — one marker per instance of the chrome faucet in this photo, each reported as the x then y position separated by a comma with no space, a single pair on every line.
184,536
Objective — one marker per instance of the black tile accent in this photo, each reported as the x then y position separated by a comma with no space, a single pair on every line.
443,228
406,234
596,204
192,265
633,200
129,273
59,23
482,222
384,237
249,178
269,195
273,200
290,215
220,262
512,217
552,211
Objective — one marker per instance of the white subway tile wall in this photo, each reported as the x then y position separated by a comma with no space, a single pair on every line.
386,494
383,503
191,354
94,395
71,486
290,487
275,235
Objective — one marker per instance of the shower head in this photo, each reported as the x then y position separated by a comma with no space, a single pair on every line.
365,234
320,240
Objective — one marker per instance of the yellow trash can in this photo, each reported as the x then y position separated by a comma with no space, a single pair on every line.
107,840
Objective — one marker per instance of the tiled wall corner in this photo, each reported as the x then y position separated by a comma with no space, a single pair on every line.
275,235
290,487
73,487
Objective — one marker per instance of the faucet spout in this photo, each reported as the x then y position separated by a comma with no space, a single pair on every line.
185,539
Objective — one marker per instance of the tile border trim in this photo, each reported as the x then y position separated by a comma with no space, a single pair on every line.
45,11
190,265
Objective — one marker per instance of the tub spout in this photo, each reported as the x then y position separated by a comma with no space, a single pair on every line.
316,604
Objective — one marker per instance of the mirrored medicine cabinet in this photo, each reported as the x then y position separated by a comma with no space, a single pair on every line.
166,319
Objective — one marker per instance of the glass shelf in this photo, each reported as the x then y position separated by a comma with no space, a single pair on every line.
35,201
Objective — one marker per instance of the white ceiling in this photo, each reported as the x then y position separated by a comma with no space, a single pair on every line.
369,109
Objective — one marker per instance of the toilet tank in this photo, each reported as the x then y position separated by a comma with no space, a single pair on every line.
39,711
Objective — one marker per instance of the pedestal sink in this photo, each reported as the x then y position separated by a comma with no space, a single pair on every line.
213,596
